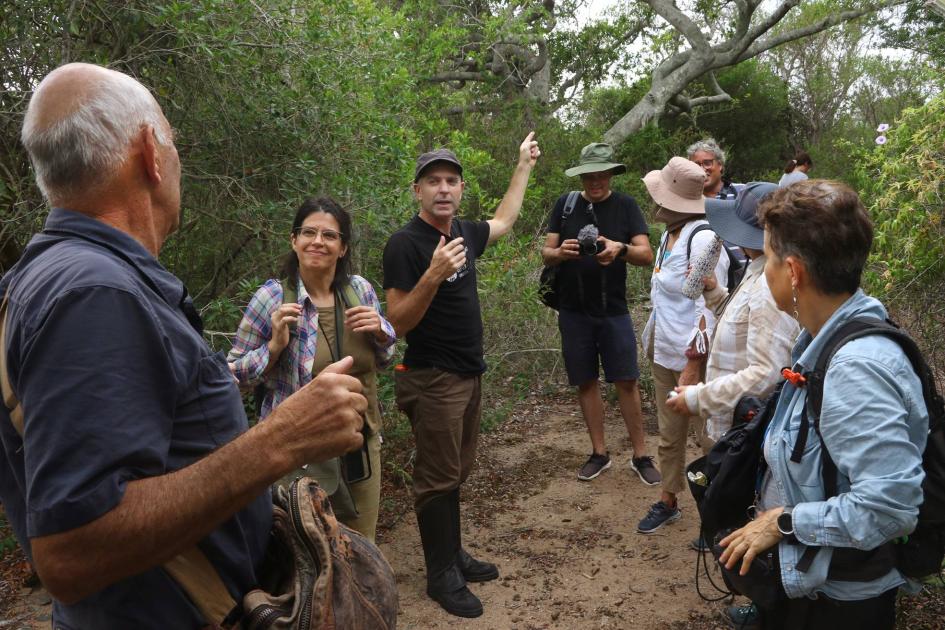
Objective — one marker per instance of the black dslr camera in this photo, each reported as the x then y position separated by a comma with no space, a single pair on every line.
587,240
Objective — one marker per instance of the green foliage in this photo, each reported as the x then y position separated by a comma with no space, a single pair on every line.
904,181
903,185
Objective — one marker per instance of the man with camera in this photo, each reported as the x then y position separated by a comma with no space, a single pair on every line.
593,242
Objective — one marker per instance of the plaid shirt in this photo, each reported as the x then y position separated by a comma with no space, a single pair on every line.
751,343
249,356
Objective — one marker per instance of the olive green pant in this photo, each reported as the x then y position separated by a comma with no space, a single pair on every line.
366,494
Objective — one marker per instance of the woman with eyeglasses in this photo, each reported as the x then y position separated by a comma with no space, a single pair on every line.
316,313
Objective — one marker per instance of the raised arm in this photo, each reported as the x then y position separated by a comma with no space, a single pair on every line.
507,212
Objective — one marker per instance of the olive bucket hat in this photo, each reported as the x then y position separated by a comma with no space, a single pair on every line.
595,158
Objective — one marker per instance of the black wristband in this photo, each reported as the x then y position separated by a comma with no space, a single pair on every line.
623,251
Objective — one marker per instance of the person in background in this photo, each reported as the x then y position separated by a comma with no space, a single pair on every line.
752,338
593,317
873,425
676,336
282,344
796,170
711,158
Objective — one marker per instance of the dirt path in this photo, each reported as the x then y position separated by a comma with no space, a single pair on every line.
567,550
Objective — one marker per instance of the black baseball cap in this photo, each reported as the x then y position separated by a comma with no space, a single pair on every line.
429,158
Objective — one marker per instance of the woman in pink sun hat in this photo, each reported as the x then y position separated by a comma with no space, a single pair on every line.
676,335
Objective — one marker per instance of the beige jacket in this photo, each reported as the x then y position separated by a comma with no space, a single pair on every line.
751,342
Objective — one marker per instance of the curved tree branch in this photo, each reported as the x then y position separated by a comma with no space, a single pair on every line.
668,10
821,25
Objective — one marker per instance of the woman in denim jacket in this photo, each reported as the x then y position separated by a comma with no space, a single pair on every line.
873,421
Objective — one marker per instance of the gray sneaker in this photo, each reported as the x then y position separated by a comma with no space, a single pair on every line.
742,617
660,514
646,470
595,465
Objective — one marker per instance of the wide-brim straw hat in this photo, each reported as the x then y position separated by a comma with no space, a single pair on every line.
596,157
678,186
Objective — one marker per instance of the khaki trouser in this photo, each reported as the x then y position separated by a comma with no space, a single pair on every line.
366,493
444,411
674,429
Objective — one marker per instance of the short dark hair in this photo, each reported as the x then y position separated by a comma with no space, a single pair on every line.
311,205
823,223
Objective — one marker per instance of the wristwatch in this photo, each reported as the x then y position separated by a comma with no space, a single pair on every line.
786,524
623,251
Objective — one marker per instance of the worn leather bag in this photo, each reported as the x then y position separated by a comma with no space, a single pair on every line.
319,573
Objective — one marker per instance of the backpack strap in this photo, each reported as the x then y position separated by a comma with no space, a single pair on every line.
9,398
569,205
854,564
699,228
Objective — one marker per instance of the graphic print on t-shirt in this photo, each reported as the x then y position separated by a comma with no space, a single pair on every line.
462,271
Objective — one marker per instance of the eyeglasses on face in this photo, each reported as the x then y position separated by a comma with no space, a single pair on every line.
310,234
706,163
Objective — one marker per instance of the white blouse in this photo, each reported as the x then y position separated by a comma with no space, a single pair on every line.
675,317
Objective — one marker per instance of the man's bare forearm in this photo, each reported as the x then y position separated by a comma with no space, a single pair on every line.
158,517
552,256
639,252
405,309
507,213
639,255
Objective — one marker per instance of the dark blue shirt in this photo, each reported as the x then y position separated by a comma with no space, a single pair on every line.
116,385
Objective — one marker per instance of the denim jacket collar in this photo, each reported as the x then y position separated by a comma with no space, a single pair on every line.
808,347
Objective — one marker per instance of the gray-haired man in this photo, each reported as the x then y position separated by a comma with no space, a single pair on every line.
130,445
709,155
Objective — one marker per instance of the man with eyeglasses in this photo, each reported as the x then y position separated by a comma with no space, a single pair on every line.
433,300
709,155
593,317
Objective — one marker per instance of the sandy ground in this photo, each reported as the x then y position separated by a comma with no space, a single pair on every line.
568,552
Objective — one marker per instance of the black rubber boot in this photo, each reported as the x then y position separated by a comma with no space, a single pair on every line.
473,570
445,582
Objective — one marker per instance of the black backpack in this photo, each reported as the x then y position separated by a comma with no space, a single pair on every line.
919,554
548,281
726,487
724,481
736,266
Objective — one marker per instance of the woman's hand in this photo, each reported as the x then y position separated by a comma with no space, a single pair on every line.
365,319
709,281
677,403
283,318
746,543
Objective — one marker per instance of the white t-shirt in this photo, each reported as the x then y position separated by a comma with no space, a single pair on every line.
792,178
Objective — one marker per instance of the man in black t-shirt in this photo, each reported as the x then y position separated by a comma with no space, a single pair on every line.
593,316
432,298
